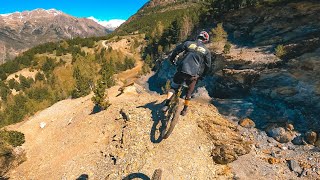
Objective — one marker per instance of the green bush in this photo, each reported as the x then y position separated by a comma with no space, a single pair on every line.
226,48
100,97
25,82
13,84
280,51
14,138
219,34
82,87
39,76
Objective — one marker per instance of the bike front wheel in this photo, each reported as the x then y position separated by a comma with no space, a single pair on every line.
172,119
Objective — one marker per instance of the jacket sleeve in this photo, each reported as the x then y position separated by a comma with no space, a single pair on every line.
176,51
207,62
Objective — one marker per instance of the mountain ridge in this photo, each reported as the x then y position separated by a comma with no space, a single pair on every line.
22,30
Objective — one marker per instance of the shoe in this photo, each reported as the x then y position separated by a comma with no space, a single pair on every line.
184,111
166,105
165,109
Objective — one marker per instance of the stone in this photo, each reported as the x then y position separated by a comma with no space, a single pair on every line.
43,125
317,143
289,127
291,147
299,140
279,134
273,160
125,115
225,154
294,166
310,137
247,123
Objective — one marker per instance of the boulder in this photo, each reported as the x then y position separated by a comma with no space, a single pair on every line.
299,140
247,123
294,166
310,137
225,154
279,134
317,143
289,127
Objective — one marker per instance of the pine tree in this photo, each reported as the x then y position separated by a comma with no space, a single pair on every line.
107,71
100,97
219,34
82,87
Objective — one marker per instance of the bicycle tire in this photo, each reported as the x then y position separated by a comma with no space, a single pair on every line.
157,174
172,118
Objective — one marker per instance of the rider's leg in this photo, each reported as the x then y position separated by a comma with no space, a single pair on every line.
192,84
177,80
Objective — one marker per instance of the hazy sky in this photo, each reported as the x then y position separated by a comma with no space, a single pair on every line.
99,9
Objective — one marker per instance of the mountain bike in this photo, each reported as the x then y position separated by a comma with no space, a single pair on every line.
173,113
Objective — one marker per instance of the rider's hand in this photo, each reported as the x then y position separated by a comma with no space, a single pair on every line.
173,62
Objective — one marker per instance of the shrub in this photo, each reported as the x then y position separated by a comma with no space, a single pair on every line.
219,34
13,84
226,48
13,138
100,97
280,51
25,82
82,87
39,76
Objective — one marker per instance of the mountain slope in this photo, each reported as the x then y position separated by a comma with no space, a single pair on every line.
106,145
20,31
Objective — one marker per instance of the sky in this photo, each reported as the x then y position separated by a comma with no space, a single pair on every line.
102,11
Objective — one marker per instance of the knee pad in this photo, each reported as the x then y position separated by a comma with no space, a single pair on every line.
172,91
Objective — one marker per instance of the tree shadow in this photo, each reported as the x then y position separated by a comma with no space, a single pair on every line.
136,175
157,117
83,177
96,109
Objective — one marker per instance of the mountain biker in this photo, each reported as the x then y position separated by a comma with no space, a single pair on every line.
195,64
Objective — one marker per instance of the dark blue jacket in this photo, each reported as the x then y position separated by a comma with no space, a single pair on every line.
196,60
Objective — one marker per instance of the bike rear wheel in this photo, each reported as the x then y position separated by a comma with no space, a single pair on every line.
172,119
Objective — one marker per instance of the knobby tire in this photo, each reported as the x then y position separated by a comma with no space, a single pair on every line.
171,120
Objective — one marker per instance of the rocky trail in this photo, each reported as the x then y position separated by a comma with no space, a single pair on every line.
114,143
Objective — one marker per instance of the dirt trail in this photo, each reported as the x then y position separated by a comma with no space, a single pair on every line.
104,145
123,46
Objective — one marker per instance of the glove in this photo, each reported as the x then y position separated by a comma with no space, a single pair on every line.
173,62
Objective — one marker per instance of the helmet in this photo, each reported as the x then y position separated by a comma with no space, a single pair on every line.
204,36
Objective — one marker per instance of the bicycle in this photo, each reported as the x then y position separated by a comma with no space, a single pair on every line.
173,113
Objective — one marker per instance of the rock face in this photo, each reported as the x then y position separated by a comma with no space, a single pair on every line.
227,147
20,31
265,88
288,23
